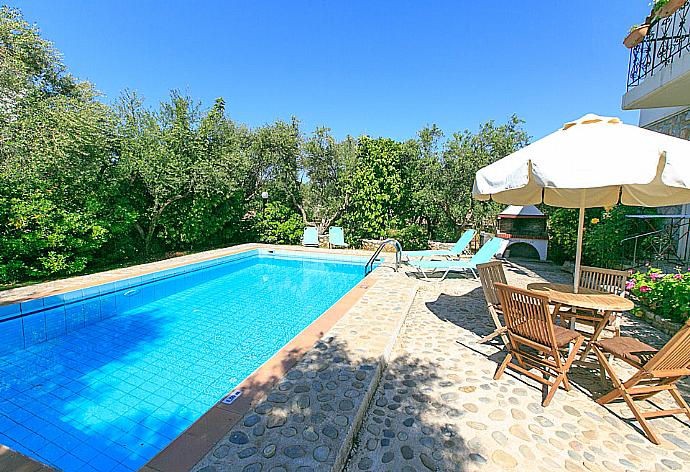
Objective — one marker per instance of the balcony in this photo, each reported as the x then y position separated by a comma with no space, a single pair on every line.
659,67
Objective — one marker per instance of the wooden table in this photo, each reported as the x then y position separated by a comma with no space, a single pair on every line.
564,295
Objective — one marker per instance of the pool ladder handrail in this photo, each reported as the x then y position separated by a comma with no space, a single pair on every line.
398,255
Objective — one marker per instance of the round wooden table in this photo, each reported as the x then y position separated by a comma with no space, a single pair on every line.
595,300
563,294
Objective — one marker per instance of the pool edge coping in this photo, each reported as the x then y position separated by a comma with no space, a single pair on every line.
55,287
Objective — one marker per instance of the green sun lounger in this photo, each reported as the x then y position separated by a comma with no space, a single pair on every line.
310,237
336,237
457,249
485,254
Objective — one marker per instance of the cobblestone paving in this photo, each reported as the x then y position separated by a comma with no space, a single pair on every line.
438,407
307,421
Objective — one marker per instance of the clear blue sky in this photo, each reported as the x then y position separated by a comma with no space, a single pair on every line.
385,68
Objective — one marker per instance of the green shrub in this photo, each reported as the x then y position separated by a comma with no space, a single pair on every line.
41,240
279,224
604,231
411,237
667,295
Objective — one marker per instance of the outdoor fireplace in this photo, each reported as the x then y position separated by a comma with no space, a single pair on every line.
525,229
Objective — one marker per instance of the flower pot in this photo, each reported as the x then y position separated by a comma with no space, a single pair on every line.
636,36
669,9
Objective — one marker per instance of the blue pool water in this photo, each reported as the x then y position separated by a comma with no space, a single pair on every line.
131,369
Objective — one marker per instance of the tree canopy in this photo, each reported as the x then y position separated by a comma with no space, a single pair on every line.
85,185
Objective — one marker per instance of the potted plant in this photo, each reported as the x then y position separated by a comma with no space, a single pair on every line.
636,35
666,8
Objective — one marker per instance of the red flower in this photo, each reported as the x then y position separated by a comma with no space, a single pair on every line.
645,289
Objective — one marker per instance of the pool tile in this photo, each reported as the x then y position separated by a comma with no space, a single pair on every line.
91,310
71,462
11,336
8,311
103,463
34,328
74,316
55,322
73,295
31,306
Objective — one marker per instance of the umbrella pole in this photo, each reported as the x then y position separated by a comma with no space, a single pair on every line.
578,251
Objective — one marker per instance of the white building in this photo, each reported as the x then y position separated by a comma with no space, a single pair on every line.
659,84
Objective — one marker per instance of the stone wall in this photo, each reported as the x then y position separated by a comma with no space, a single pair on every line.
659,322
373,244
677,125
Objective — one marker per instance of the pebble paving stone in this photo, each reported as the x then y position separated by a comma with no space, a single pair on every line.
455,417
307,421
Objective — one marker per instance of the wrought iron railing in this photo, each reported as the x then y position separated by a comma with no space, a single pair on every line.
667,39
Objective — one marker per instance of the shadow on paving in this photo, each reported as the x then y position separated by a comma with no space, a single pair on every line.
308,417
468,311
406,429
302,418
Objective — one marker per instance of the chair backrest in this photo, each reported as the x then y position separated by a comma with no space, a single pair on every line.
487,251
527,315
336,235
675,354
311,235
463,242
607,280
491,273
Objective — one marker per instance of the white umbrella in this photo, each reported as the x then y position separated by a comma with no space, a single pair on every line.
594,161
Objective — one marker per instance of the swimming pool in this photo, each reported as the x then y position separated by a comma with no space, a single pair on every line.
108,376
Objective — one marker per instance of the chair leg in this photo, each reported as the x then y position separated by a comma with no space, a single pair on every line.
494,334
503,366
643,422
680,400
499,331
563,375
553,389
595,336
620,391
605,366
504,338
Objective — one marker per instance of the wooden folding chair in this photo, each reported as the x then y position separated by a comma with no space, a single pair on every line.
491,273
658,371
604,280
534,341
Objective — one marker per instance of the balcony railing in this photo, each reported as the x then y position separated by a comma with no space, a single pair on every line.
667,39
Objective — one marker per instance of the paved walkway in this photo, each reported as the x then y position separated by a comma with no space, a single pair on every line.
438,407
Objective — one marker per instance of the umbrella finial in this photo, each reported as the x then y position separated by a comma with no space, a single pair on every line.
590,118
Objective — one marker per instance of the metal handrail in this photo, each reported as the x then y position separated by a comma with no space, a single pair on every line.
667,40
398,255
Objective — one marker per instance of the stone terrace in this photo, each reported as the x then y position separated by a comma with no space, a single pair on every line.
438,407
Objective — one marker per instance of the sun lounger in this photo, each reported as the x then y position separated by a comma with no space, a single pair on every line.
458,248
485,254
336,238
310,237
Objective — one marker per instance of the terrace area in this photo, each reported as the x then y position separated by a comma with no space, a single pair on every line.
401,383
